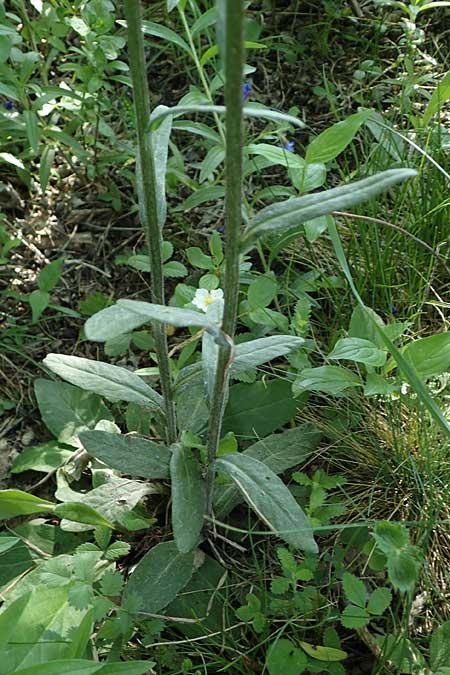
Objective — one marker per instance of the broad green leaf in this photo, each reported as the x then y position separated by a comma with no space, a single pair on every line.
32,127
81,513
9,618
7,542
401,362
45,166
67,410
214,158
130,454
354,617
279,452
160,145
440,646
161,31
440,96
15,503
258,409
41,633
159,576
45,458
49,276
262,291
15,560
99,326
102,378
362,325
359,350
38,302
354,589
197,258
284,216
82,667
331,142
379,601
276,155
321,653
268,496
315,227
327,379
429,356
188,498
112,499
283,658
377,385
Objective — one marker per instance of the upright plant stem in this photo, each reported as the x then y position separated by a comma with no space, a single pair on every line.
234,61
148,199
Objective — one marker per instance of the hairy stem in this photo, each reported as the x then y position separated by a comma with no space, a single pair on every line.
148,199
234,60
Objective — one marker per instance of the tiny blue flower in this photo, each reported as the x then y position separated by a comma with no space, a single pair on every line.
9,105
289,146
246,91
221,229
394,309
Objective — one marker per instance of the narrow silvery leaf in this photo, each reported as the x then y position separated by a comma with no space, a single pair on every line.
160,146
171,315
130,454
112,322
268,496
283,216
278,452
104,379
256,352
210,349
159,576
253,110
188,498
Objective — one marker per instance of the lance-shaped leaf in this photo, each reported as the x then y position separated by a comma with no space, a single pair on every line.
159,576
268,496
81,513
278,452
173,316
104,379
159,140
256,352
112,322
129,454
281,217
253,110
15,503
188,498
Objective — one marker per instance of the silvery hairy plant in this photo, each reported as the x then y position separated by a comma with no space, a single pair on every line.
204,485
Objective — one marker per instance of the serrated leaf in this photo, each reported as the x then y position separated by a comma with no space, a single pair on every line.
188,498
279,585
379,601
284,216
111,583
104,379
117,550
354,617
130,454
267,495
354,589
359,350
159,576
15,503
391,537
81,596
440,646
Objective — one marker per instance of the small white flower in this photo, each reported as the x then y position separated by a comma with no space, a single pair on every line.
404,388
203,298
